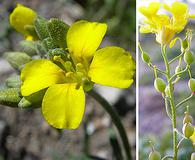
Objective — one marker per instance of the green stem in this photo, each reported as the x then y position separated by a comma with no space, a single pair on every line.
178,73
172,103
185,100
176,58
159,70
167,108
116,120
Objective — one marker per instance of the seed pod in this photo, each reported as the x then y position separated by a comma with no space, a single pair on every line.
187,118
188,130
185,44
145,57
193,156
154,155
191,84
189,58
159,85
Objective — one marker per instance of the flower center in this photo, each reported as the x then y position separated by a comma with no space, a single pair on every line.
75,73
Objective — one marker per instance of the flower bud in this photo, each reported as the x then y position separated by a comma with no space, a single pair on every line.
159,85
191,84
193,156
188,130
154,155
145,57
188,58
187,118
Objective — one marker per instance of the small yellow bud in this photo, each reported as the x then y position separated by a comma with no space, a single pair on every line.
22,16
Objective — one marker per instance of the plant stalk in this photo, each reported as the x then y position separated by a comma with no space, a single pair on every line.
172,103
116,120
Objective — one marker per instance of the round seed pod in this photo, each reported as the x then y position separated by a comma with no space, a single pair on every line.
145,57
159,85
188,130
154,155
191,84
189,58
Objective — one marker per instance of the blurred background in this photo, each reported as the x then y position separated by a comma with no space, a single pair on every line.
24,135
154,124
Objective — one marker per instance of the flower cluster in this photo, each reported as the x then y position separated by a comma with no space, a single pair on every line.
164,26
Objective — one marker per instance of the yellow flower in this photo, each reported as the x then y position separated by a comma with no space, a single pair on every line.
64,101
162,25
21,17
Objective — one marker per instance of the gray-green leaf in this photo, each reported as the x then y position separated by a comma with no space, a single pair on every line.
10,97
13,82
58,30
17,59
40,24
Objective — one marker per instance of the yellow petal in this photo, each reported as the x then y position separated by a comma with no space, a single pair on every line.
112,66
179,9
83,39
151,10
22,16
40,74
63,106
146,29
